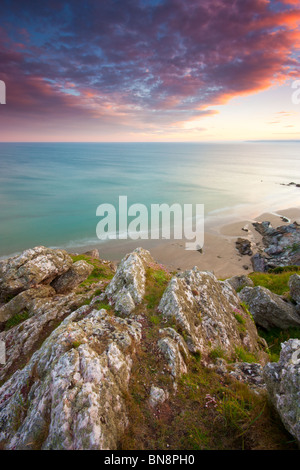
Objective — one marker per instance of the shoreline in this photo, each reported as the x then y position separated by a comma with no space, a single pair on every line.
219,255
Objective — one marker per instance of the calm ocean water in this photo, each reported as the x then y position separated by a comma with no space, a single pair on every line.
49,192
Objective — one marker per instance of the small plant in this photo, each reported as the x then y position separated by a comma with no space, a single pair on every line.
244,356
16,319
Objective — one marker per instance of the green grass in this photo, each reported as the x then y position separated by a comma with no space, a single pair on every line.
275,337
276,281
16,319
244,356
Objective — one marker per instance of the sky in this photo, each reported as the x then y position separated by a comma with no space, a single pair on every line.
149,70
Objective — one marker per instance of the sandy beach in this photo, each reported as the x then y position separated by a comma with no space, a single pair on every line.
219,254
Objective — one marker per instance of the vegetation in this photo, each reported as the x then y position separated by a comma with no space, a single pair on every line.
100,272
275,337
16,319
276,280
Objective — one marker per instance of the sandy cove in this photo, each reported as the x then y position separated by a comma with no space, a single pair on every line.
219,254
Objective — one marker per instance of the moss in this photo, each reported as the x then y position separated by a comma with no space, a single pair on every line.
101,269
16,319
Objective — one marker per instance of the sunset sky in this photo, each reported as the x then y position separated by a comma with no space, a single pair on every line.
149,70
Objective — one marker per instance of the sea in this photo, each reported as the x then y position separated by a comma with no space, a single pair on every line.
49,192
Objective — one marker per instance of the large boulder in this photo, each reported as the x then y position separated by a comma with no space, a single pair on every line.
68,281
283,384
127,288
294,285
268,309
208,314
34,266
71,394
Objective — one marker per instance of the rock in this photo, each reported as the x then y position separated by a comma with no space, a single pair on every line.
127,288
294,285
283,385
157,396
244,246
264,228
68,281
268,309
44,314
75,384
238,282
174,350
245,267
259,263
249,373
93,254
205,311
23,301
32,267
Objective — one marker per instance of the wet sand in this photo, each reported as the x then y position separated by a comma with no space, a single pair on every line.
219,254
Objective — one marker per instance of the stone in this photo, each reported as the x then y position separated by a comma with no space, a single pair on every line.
283,385
249,373
75,384
34,266
268,309
68,281
127,288
238,282
259,263
157,396
174,350
93,254
294,285
205,311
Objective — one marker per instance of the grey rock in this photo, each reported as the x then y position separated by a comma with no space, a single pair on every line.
23,301
75,384
249,373
244,246
32,267
268,309
238,282
68,281
127,288
283,385
204,310
157,396
93,253
174,351
294,285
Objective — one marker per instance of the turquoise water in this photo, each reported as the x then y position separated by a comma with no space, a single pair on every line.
49,193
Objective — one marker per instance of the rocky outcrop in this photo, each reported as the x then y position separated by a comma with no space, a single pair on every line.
71,393
283,385
68,281
127,288
238,282
174,351
268,309
32,267
294,285
282,246
208,313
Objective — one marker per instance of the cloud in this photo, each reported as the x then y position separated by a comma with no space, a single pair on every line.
133,63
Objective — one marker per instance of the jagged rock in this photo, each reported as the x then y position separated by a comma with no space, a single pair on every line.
32,267
244,246
264,228
68,281
127,288
44,313
205,311
294,285
268,309
259,263
157,396
238,282
70,395
23,301
174,350
283,385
